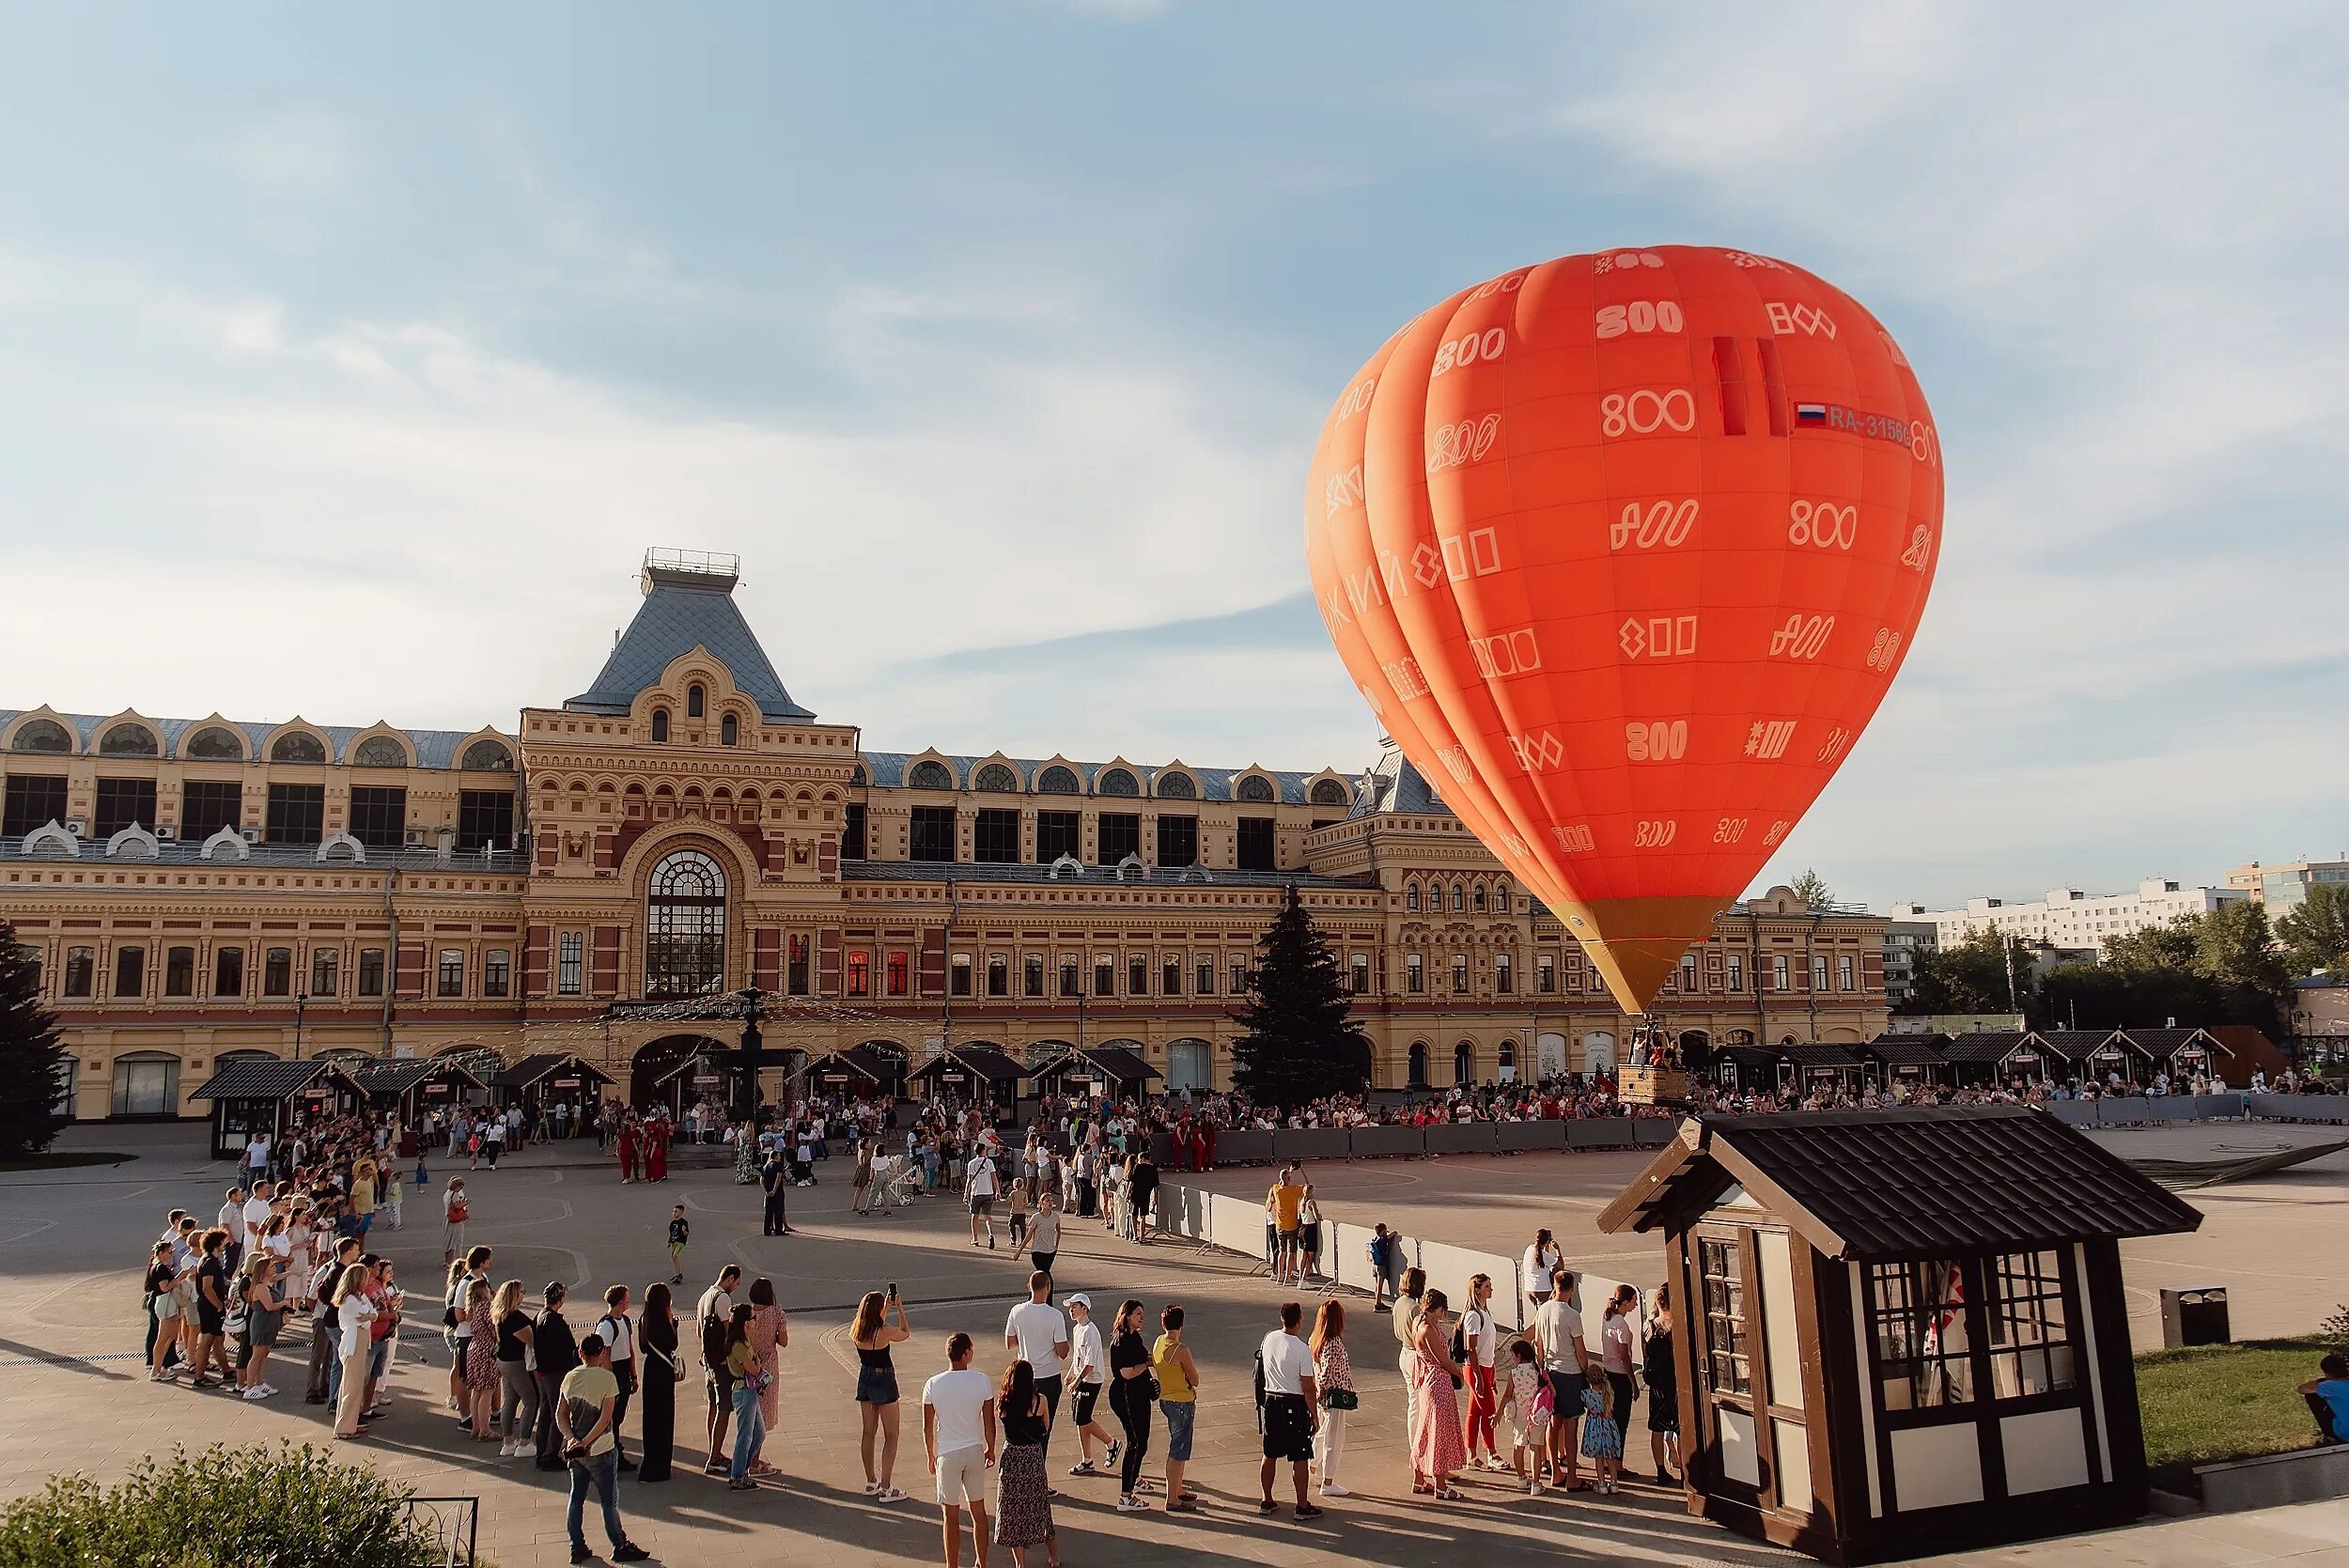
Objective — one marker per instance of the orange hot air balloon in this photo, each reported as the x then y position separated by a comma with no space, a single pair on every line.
1624,550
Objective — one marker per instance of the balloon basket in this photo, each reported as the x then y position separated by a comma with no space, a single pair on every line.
1653,1086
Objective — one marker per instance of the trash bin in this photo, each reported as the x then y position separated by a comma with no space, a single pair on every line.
2196,1316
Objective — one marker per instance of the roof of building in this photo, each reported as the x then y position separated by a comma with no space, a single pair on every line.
401,1073
2162,1044
434,748
1394,784
984,1061
1907,1050
2078,1044
1821,1053
683,610
1115,1063
530,1069
1923,1182
190,851
862,1059
888,770
1982,1046
1101,876
255,1079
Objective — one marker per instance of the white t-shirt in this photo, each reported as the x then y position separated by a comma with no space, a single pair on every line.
960,1400
1288,1360
1541,1265
256,1213
981,1177
1482,1334
355,1315
619,1336
1038,1327
1557,1325
1086,1361
232,1220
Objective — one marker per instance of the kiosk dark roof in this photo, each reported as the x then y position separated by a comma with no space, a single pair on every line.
399,1075
1918,1182
527,1073
983,1062
270,1081
1908,1050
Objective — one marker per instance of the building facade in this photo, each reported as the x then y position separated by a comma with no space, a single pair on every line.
2069,918
2284,888
1908,941
604,876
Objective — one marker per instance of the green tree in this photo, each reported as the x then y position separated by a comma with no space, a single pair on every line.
2167,946
1973,977
2316,934
2234,946
32,1056
1300,1041
2202,968
1812,888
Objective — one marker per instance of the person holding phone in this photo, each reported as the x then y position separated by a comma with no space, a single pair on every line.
877,1388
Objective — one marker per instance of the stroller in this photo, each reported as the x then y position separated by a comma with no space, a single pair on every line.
896,1180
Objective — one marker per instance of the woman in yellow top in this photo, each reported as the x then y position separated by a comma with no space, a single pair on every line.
1178,1402
363,1193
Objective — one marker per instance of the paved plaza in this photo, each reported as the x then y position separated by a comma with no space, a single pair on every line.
77,1399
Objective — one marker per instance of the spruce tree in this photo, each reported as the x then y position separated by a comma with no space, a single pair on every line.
1299,1041
32,1056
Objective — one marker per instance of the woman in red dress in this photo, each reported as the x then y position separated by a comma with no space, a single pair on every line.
627,1151
657,1149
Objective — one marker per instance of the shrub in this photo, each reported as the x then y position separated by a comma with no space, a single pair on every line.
2335,1329
285,1507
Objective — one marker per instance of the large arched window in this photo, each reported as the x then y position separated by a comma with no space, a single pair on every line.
1464,1063
996,779
1410,896
685,927
43,735
729,731
380,750
128,740
929,775
660,726
1118,782
298,746
696,701
1056,780
1177,787
1256,787
1329,792
487,756
1417,1067
215,744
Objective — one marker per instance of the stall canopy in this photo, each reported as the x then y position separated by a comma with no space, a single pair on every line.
557,1073
1915,1056
858,1070
2086,1047
2181,1050
1747,1066
256,1095
1112,1066
415,1085
1819,1058
1974,1057
974,1064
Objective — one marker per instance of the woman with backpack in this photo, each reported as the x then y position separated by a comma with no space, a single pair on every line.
1474,1344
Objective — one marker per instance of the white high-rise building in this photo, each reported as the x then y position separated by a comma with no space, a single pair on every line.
2068,917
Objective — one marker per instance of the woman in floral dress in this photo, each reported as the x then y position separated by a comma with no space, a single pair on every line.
1436,1448
482,1381
768,1335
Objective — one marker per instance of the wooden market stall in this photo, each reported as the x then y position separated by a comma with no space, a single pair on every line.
1902,1331
266,1095
980,1074
1110,1070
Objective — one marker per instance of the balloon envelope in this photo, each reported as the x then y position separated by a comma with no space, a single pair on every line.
1623,551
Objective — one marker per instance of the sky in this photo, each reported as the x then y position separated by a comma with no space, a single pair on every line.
350,359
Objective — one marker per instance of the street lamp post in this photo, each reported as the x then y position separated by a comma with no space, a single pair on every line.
300,1002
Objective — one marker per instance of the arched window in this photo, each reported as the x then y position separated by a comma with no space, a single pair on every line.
1177,787
856,776
1478,902
696,701
660,726
1508,1059
997,779
1417,1069
1256,787
487,756
43,735
128,740
213,744
1410,896
1118,782
380,750
1456,893
1464,1063
297,746
729,731
928,775
1329,792
685,927
1056,780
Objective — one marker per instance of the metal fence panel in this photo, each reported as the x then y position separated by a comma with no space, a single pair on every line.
2123,1110
1608,1132
1312,1144
2079,1114
1380,1142
1530,1134
1183,1210
1473,1138
1449,1269
1243,1146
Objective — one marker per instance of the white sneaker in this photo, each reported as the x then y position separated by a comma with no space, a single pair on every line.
1331,1489
253,1393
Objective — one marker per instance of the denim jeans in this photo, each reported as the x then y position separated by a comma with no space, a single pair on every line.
749,1429
602,1472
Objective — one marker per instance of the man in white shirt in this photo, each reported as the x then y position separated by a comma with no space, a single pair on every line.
1558,1340
1040,1333
978,1185
257,1156
1088,1368
255,1217
619,1335
959,1433
1291,1408
231,1220
713,1313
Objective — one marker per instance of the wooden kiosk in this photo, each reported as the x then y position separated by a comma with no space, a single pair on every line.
1902,1331
269,1094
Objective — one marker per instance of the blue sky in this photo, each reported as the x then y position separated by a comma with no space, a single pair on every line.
995,340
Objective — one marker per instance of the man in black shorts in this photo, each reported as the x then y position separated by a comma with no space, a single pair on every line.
713,1313
1291,1408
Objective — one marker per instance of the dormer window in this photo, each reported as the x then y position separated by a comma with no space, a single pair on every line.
729,731
695,699
660,725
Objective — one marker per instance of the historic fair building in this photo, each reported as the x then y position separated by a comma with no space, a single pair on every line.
600,878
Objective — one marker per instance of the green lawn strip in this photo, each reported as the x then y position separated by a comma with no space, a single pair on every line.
2221,1401
65,1161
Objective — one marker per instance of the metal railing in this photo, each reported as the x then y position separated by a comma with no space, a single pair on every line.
454,1524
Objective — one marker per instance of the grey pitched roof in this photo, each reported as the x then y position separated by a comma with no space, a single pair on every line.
530,1069
397,1076
1919,1183
190,851
1397,785
1104,878
273,1080
434,748
1115,1063
673,621
984,1061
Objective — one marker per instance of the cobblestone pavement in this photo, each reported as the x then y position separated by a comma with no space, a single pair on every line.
77,1398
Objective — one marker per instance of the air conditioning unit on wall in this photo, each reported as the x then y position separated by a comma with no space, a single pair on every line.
252,835
166,834
77,825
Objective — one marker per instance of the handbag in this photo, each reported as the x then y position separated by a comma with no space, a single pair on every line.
677,1371
1341,1399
